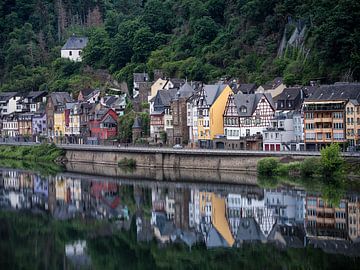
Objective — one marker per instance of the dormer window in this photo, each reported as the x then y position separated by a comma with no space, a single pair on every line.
243,109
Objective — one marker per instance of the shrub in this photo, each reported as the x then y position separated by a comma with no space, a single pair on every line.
310,167
127,162
331,161
268,166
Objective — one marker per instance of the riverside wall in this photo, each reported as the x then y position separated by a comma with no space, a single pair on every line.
210,160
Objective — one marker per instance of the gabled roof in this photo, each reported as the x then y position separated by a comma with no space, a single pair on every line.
35,94
166,96
87,93
212,91
75,43
60,98
176,82
141,77
336,92
290,93
6,96
137,123
250,102
247,88
185,91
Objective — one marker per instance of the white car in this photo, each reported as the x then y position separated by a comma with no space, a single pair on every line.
177,146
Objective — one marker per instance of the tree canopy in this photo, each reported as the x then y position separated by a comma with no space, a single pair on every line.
202,40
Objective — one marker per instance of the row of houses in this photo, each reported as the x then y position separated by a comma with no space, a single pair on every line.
58,115
270,118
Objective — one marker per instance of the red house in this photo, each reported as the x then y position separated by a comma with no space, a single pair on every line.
103,124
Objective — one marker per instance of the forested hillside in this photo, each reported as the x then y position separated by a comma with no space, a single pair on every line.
252,40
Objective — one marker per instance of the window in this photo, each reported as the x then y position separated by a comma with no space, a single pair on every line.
243,109
319,136
328,135
338,125
70,53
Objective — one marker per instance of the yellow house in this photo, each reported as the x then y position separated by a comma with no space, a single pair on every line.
211,104
59,124
157,85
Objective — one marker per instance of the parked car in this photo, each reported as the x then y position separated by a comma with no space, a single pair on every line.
177,146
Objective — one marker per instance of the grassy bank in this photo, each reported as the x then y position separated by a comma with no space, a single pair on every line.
38,153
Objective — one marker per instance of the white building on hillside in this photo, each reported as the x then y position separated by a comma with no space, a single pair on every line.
73,48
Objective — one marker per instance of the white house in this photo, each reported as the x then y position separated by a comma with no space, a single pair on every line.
73,48
8,102
247,115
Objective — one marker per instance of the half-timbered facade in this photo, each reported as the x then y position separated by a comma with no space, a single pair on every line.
247,115
210,104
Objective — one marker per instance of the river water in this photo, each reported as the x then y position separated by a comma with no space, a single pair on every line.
76,218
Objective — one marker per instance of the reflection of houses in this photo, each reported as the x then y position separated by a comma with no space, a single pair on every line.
106,200
354,217
164,229
325,220
41,192
158,200
249,231
194,209
76,253
219,234
287,236
289,205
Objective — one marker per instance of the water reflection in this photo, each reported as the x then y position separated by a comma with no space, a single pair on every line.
214,215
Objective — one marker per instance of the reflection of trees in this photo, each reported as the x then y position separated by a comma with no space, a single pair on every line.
332,188
43,168
37,242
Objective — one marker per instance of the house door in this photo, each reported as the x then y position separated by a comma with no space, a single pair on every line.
277,147
266,147
272,147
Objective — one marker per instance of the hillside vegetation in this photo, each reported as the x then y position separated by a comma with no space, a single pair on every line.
201,40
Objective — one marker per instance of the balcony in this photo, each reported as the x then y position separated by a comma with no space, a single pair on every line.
323,120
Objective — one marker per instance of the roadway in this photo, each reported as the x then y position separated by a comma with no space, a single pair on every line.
140,149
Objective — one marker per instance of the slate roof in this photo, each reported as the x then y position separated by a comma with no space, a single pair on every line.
249,230
250,101
6,96
247,88
75,43
185,91
35,94
212,91
339,91
167,95
141,77
60,98
177,82
137,123
289,94
87,92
